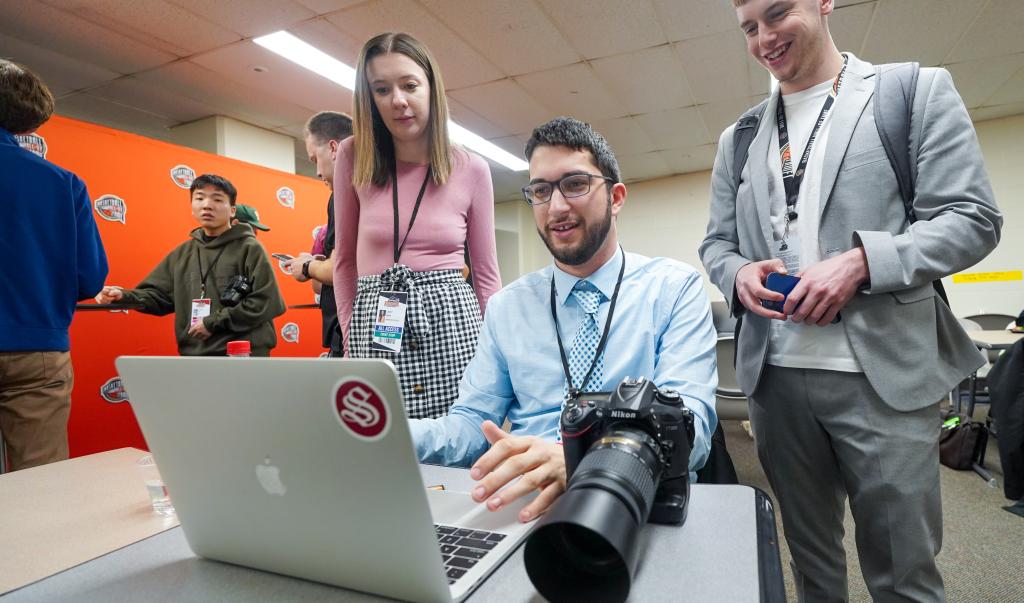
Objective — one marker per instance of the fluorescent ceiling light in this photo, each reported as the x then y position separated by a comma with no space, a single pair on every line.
323,64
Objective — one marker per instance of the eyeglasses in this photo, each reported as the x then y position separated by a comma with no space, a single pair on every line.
573,185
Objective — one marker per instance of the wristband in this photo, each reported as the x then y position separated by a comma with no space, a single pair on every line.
305,268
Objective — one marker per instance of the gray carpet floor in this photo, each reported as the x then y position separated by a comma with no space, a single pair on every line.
982,558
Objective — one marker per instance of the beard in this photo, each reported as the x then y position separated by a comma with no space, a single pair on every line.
594,236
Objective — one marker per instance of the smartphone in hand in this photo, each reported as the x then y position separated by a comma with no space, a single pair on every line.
284,257
781,283
784,284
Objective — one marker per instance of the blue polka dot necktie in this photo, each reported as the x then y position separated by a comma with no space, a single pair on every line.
588,336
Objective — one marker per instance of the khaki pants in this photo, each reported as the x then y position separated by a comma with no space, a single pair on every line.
35,401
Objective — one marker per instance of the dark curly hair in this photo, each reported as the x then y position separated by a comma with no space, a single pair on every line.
577,135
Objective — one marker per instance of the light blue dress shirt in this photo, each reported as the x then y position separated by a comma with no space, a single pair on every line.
661,330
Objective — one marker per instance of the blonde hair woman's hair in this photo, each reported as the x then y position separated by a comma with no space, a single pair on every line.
374,147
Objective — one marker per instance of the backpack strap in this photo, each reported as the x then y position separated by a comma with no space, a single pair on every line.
742,135
894,104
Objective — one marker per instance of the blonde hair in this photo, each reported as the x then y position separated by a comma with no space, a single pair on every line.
374,148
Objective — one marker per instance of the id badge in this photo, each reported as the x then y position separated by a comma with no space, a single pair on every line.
788,251
389,323
200,310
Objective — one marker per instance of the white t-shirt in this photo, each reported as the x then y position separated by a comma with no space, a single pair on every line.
791,344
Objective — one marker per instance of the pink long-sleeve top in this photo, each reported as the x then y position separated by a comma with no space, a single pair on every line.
461,212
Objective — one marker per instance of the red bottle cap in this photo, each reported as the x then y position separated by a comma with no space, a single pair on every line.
238,348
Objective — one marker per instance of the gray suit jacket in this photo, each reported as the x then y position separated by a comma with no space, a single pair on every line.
910,345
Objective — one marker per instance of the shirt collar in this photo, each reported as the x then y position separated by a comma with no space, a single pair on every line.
603,278
7,137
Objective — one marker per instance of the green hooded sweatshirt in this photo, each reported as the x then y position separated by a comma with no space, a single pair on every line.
175,282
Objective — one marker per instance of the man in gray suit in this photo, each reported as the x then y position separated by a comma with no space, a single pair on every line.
848,408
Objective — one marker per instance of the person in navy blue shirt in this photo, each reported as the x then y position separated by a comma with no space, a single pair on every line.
52,258
661,329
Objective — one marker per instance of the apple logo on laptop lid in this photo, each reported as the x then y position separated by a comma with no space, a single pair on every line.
269,477
361,410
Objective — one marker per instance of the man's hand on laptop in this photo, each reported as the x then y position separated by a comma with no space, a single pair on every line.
539,465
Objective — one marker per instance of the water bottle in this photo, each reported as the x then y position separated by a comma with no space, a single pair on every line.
239,349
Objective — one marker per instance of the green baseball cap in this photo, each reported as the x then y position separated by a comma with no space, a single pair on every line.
247,214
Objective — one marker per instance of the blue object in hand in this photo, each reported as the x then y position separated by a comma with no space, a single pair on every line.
784,284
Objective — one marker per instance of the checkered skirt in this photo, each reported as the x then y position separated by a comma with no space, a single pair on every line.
442,326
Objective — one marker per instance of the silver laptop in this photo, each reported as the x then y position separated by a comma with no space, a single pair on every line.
305,467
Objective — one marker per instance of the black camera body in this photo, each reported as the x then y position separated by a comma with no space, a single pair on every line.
642,421
235,291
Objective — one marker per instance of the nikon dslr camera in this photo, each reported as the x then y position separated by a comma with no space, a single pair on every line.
627,456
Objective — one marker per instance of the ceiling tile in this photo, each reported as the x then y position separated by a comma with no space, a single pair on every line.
635,168
324,35
676,128
599,28
516,36
978,80
690,159
115,115
159,23
229,98
505,104
719,115
515,144
249,17
323,7
1012,92
72,36
717,67
997,111
686,19
573,90
625,135
156,98
282,78
936,26
63,74
461,65
647,80
996,32
469,119
849,26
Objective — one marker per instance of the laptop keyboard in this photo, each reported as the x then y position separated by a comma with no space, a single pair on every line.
462,549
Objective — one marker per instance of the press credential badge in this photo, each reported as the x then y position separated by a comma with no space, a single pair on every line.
389,324
200,310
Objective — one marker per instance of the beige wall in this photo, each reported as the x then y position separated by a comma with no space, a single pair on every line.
668,217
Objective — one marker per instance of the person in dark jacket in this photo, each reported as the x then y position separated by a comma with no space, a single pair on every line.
1006,391
53,258
200,281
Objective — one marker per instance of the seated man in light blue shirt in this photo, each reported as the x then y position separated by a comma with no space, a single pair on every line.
660,329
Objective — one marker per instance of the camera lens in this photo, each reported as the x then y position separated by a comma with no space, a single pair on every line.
585,547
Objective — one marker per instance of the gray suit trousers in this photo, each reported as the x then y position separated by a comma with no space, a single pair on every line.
824,435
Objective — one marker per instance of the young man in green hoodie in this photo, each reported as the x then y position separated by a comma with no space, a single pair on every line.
200,280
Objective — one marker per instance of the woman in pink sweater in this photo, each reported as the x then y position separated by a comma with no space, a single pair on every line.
407,204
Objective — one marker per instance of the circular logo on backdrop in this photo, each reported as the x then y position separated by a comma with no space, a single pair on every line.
286,197
182,175
113,391
361,409
111,208
290,332
33,143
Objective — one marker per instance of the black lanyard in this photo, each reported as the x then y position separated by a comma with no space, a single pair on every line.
604,335
203,276
394,198
791,179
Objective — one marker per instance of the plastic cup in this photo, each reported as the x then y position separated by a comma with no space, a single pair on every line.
158,496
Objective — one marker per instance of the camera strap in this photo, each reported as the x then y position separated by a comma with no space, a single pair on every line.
415,210
203,275
604,335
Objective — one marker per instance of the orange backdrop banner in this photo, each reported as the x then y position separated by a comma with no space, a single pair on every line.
139,189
